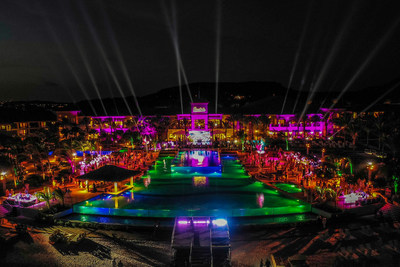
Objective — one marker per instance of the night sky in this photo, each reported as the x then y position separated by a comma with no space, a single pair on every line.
47,47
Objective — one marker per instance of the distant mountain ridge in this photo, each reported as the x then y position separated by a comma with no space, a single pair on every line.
245,98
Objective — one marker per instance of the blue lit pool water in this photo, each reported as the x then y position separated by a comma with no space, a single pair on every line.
195,183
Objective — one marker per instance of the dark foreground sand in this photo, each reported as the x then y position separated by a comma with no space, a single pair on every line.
358,243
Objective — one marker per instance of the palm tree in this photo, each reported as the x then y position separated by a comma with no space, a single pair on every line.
38,151
13,147
161,125
85,122
242,136
45,196
66,152
381,130
235,118
65,126
185,123
263,124
350,126
226,124
132,137
366,123
83,145
60,195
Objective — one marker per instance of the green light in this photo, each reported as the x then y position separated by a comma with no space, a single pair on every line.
231,193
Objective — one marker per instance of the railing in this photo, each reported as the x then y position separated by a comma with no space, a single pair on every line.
191,250
301,208
211,248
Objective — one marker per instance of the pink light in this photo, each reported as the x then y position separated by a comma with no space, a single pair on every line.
261,200
201,222
182,222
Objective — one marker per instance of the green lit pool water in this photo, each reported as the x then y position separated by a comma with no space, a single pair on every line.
194,183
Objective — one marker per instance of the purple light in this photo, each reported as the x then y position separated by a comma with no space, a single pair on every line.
185,222
261,200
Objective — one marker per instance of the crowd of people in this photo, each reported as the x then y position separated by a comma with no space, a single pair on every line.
277,165
133,160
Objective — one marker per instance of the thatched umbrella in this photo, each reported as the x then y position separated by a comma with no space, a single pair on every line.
110,173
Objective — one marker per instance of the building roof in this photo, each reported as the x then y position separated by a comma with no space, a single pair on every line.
109,173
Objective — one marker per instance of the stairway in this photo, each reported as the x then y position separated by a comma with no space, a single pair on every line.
221,256
200,256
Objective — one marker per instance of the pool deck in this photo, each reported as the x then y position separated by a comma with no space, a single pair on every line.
251,219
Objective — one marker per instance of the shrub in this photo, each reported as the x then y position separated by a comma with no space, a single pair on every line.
58,237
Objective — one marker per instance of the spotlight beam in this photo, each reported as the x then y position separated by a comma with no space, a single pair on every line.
366,61
109,87
331,56
217,53
296,59
178,66
103,54
69,63
117,50
85,60
175,44
382,96
303,81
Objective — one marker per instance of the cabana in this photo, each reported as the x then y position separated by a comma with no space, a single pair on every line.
110,174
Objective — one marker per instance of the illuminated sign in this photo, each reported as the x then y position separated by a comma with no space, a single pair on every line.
199,109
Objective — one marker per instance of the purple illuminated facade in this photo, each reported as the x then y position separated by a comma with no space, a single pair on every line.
199,117
313,126
199,131
109,124
199,126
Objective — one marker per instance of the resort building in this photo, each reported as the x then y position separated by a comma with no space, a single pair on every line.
21,123
200,127
197,127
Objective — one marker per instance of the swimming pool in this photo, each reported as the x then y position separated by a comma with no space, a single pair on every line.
195,183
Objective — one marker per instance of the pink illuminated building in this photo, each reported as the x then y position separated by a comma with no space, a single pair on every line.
199,126
312,125
109,124
199,130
